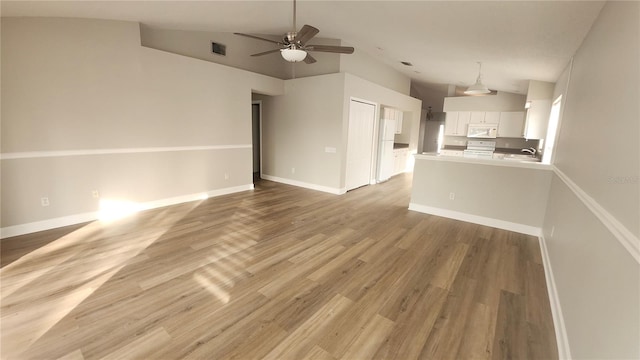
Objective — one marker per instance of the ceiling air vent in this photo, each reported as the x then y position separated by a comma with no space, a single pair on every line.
219,49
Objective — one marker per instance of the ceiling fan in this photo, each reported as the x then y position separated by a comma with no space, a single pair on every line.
294,47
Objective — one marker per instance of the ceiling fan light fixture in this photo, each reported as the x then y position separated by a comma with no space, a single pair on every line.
478,88
293,55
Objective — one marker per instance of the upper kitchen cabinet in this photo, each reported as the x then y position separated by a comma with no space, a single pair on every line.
482,117
398,117
395,115
456,123
492,117
476,117
511,124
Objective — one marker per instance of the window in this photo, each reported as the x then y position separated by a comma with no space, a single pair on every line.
552,130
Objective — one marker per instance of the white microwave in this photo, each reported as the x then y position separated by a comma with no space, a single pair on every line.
482,131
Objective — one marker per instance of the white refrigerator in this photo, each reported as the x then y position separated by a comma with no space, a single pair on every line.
385,153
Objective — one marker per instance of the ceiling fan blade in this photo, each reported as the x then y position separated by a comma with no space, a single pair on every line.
331,49
309,59
266,52
306,33
259,38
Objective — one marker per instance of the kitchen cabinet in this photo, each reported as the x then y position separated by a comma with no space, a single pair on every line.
537,119
395,115
456,123
399,116
399,161
477,117
492,117
511,124
482,117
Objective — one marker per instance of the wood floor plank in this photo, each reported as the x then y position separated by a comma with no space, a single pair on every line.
318,353
277,272
370,338
447,335
482,324
140,347
511,330
302,340
414,325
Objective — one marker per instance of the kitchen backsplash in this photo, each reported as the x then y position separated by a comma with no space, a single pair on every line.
505,143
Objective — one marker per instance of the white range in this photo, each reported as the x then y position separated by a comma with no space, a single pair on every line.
480,149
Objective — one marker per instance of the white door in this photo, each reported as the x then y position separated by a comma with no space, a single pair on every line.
360,144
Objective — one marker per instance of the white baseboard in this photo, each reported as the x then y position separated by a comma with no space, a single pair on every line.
48,224
500,224
564,352
36,226
335,191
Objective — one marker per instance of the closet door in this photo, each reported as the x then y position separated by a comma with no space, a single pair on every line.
360,144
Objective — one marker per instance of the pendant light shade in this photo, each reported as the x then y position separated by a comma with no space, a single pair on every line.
478,87
293,55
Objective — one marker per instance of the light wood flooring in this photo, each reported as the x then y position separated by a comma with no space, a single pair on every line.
277,273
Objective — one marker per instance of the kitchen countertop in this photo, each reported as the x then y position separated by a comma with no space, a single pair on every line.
494,162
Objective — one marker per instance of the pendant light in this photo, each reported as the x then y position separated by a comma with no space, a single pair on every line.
478,87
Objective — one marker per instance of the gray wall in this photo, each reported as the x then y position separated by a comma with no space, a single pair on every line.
502,101
197,44
298,126
312,115
599,133
496,193
365,66
96,111
598,281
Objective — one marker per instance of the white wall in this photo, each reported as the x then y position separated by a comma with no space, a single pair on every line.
591,227
85,107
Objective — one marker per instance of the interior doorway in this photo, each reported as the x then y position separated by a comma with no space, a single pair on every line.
360,144
256,114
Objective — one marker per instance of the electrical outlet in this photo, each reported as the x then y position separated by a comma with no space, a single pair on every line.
226,176
293,170
44,201
452,196
95,194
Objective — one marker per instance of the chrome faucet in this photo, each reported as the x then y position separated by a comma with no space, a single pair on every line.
531,151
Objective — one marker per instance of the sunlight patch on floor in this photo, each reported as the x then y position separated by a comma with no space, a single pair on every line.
55,278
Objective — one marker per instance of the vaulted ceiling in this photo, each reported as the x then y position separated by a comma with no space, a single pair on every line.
515,40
